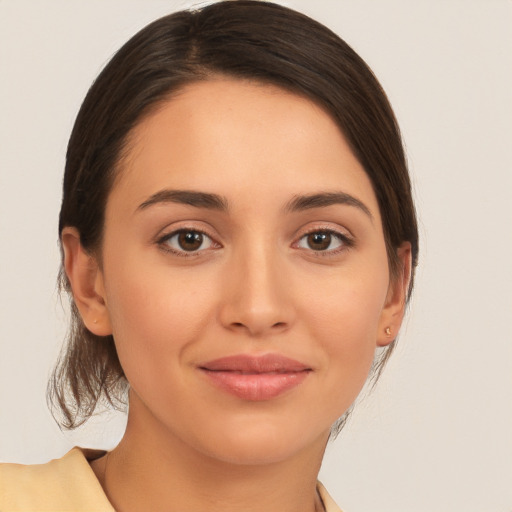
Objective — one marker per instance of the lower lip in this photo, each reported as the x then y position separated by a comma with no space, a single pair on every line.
256,386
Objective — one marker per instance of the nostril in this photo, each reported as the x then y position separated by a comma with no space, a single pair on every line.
242,325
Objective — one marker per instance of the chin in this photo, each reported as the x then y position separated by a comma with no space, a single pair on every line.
262,443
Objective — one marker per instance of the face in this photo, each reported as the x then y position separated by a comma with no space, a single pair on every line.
244,272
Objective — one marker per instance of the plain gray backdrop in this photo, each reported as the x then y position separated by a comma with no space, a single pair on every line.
436,434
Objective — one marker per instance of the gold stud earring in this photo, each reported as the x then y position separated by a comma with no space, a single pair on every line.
388,331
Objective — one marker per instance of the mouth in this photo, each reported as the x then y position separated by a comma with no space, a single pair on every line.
255,378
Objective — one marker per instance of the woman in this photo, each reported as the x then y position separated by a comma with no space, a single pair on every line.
238,237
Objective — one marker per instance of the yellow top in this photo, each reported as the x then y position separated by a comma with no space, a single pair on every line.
67,484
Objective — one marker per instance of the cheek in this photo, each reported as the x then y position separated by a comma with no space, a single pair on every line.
344,321
155,316
346,307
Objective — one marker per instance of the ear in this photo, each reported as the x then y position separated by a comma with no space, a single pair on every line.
86,280
394,308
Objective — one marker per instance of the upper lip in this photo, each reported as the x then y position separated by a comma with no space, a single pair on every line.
244,363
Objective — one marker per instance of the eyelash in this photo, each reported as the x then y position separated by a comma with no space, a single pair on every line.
346,242
162,242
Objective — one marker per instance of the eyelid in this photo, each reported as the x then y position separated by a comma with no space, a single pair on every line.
173,230
344,235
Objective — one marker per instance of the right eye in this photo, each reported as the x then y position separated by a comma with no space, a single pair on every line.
185,242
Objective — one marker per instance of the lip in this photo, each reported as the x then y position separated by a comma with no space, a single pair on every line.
255,378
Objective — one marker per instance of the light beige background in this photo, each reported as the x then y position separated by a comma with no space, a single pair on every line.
436,435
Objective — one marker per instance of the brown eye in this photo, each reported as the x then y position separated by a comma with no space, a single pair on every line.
327,241
186,241
190,240
319,241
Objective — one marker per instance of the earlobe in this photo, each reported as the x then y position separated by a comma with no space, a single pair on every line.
86,280
394,309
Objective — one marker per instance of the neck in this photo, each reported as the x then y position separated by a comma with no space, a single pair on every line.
154,470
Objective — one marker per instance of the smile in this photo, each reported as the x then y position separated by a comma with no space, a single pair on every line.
255,378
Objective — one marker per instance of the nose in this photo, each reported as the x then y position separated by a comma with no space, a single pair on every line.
256,297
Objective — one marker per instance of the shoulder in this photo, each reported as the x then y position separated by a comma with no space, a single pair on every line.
62,484
329,503
67,484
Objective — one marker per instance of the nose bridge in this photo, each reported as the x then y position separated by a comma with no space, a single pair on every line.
256,298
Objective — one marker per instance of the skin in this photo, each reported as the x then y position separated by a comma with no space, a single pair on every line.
255,286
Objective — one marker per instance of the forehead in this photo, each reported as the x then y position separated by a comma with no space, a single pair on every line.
230,136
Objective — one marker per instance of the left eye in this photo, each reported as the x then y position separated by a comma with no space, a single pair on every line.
188,240
321,241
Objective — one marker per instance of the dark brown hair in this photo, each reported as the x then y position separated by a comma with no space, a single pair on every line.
245,39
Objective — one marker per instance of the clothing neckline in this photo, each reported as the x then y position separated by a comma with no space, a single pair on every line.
89,455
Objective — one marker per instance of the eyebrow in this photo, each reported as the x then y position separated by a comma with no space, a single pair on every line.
324,199
219,203
188,197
